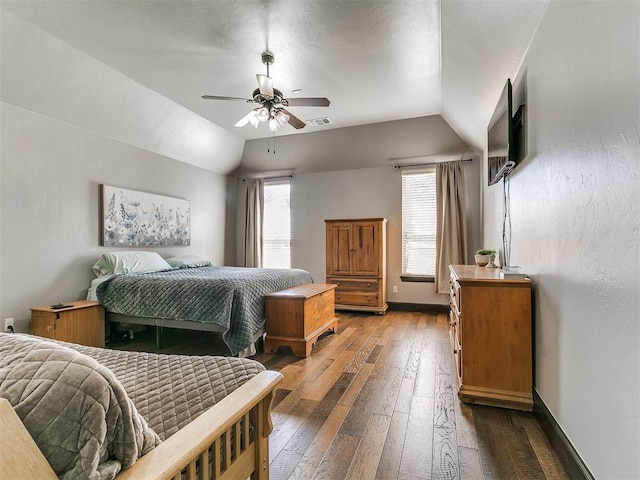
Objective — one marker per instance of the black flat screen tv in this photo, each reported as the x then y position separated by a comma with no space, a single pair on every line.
504,137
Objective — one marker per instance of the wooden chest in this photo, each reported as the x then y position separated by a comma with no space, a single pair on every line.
297,316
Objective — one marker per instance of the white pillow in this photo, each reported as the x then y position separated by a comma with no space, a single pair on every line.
129,262
188,261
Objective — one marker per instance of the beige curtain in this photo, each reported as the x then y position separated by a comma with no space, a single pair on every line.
254,204
451,234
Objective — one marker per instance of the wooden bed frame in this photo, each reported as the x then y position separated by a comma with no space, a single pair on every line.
220,440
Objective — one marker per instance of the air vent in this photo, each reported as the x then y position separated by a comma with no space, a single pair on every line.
319,122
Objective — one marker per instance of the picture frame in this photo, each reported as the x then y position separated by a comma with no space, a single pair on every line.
134,218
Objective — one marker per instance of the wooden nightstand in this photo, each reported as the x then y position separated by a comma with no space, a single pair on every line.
81,323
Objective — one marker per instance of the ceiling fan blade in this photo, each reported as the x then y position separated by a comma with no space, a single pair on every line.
308,102
217,97
294,121
244,120
266,85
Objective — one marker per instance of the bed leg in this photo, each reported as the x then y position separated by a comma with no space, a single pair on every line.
158,338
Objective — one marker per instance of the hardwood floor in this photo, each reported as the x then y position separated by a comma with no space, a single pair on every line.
378,401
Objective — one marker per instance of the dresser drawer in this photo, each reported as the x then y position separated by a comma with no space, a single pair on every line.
454,297
455,327
355,284
357,298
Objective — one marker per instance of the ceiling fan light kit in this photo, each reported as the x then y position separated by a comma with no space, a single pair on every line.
272,102
277,120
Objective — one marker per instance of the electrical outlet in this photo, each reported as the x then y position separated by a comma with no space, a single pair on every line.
8,324
394,289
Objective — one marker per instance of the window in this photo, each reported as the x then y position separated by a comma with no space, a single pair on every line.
276,225
419,222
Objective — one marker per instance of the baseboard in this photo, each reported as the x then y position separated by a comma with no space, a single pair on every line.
573,464
418,307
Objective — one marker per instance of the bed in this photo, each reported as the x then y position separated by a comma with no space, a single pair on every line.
193,294
69,411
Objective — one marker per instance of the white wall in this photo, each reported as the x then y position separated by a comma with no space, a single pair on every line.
70,123
50,176
361,146
360,193
575,205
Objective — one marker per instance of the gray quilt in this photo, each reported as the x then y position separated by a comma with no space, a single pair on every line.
171,390
75,409
86,407
232,297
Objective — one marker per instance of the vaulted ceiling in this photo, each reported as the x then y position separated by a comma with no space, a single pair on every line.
376,60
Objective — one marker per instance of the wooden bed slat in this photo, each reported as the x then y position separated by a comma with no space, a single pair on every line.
216,459
237,439
191,470
204,464
227,449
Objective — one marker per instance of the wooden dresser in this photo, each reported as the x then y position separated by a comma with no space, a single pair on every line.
357,263
490,333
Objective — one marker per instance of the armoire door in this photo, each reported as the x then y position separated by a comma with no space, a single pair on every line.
365,249
339,249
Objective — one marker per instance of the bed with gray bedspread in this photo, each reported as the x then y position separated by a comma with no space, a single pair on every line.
93,411
230,297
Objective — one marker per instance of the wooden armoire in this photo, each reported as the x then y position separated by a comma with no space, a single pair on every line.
357,263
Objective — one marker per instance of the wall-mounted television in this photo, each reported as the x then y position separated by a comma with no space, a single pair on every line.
504,142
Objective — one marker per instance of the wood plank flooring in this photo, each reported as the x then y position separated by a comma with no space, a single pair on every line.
378,401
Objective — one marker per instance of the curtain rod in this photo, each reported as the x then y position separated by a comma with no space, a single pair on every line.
271,178
430,163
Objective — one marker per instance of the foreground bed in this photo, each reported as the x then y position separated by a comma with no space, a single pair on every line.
93,412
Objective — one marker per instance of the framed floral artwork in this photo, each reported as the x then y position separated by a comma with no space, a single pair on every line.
133,218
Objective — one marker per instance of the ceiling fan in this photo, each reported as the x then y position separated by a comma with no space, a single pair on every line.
272,102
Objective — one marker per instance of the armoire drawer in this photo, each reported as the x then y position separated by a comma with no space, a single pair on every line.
357,298
355,284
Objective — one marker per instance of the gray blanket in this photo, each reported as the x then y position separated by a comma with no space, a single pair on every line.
75,409
170,391
232,297
86,407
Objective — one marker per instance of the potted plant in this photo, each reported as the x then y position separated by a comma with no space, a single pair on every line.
485,257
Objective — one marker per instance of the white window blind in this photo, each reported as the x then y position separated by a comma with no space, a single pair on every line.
276,225
419,221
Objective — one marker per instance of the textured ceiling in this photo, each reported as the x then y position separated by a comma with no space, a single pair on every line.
376,60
